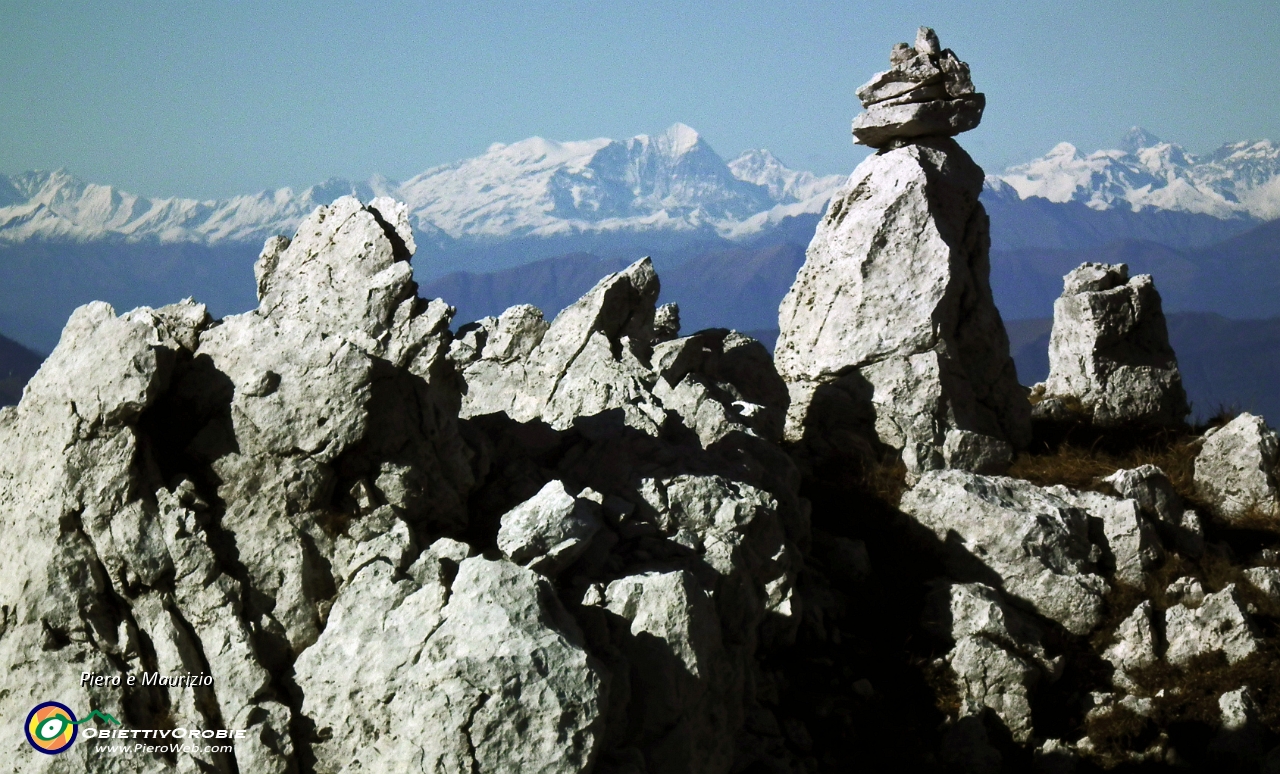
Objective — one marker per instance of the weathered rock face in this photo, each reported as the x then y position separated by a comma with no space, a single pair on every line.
997,657
464,664
284,500
1110,351
927,92
1236,469
1135,646
1149,487
1219,624
196,492
894,338
1131,541
1032,543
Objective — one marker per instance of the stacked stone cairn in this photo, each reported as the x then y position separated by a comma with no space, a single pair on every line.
889,338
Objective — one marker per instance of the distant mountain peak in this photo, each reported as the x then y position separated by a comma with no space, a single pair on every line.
1138,138
1239,180
672,182
680,138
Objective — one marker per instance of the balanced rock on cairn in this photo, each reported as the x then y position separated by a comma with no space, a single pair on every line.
889,336
927,92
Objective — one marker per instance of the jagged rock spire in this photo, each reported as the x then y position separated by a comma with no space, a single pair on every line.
889,335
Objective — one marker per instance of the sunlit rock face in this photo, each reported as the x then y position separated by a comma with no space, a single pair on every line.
889,335
341,512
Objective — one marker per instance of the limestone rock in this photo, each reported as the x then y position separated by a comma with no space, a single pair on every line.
997,657
719,382
548,531
1218,625
592,359
927,92
597,363
959,610
1033,543
1186,591
1236,468
1151,489
208,487
1242,738
1109,349
666,323
992,677
1131,540
679,668
1266,580
897,340
494,678
1135,646
279,499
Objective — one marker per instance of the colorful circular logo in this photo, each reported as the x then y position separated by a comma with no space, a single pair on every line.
51,727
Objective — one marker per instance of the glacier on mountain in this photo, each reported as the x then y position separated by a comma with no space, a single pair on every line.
672,181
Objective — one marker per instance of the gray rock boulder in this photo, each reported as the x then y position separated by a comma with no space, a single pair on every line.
679,670
897,341
997,657
719,382
1134,647
550,530
1236,469
927,92
1110,351
593,358
482,670
991,677
1266,580
1150,488
1133,546
1186,591
1010,533
1218,625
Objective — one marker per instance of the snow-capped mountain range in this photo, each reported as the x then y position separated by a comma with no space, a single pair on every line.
673,181
1240,179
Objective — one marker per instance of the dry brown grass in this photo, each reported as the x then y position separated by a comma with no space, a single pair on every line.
887,481
1081,468
1116,731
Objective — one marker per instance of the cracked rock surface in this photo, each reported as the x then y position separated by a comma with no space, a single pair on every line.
889,335
544,547
1237,466
927,92
1110,351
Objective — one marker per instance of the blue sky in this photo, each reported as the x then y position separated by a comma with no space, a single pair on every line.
213,99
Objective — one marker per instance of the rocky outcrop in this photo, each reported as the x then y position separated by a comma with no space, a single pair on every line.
1219,624
581,574
1030,542
926,93
461,664
1134,647
1109,352
1132,547
896,342
1149,487
997,658
1236,469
